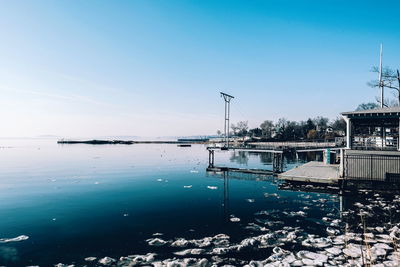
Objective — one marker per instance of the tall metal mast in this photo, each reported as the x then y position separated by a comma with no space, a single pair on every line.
227,99
380,77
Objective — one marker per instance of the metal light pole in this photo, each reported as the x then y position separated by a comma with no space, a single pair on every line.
227,99
380,77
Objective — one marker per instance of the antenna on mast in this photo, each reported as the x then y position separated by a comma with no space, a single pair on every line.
380,77
227,99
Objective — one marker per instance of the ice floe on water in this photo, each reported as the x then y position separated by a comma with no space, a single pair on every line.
156,242
250,200
187,186
287,236
212,187
14,239
194,171
233,218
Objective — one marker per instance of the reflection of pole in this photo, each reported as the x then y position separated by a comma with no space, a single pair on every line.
227,99
226,196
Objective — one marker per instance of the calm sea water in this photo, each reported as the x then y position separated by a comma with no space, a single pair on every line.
76,201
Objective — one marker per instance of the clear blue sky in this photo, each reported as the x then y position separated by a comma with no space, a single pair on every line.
155,68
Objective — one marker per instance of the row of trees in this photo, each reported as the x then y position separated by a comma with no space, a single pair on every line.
286,130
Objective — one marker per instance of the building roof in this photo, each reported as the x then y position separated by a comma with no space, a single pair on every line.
379,112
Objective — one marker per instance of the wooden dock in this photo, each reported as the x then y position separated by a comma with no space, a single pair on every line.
313,172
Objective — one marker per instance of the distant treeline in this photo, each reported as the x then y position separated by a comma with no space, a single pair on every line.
285,130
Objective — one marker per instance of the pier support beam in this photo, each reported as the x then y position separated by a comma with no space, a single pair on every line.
277,163
348,132
210,158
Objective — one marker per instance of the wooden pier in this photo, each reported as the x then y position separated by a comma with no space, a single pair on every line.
313,172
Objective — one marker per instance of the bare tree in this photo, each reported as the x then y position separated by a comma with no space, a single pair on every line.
390,79
267,128
240,128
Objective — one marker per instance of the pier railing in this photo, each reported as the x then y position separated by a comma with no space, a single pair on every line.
298,145
372,167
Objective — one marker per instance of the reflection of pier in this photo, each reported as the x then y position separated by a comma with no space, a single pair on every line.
226,174
276,153
226,196
277,166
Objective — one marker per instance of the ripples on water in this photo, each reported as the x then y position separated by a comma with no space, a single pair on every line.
68,203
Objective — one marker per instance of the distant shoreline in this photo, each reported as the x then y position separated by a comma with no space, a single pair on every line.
116,142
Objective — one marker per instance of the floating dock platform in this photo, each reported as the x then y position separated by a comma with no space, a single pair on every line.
313,172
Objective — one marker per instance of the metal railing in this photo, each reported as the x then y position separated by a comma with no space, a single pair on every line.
372,144
372,167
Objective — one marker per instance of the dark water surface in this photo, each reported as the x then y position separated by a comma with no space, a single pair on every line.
75,201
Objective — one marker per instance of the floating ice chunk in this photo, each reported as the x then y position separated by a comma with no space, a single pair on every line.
90,259
194,171
379,252
234,219
332,231
317,257
156,242
126,214
220,251
269,195
297,263
352,251
212,187
187,186
15,239
256,227
335,223
159,180
334,250
248,242
157,234
195,251
382,246
136,260
250,200
289,259
308,262
180,242
107,261
358,204
295,213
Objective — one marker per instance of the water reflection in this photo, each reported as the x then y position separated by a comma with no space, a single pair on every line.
267,158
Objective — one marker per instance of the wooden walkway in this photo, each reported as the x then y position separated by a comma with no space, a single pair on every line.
313,172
